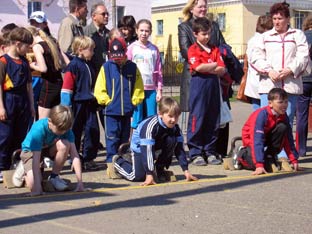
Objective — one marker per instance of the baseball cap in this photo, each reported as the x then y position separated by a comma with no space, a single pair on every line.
38,16
117,49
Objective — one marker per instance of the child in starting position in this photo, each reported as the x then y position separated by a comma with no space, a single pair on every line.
48,137
154,143
266,132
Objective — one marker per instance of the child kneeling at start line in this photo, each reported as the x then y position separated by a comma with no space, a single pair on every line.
153,144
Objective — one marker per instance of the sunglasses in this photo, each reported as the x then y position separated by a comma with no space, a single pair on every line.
104,13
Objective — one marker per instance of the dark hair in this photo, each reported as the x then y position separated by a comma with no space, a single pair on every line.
276,94
264,23
281,7
126,21
21,34
8,28
201,24
73,4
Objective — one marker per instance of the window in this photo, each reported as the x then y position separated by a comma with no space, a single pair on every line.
33,6
120,12
299,16
221,21
160,27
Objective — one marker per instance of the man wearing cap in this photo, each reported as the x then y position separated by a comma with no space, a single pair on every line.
70,25
119,96
99,33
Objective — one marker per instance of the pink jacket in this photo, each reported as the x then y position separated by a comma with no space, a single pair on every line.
274,52
147,59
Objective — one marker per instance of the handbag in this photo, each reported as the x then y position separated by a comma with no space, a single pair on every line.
241,90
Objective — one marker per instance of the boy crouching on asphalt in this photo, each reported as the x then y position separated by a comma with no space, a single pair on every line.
266,132
153,144
49,137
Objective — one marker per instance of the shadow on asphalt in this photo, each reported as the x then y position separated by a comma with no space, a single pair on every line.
157,200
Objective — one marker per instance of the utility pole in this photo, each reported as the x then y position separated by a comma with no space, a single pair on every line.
114,10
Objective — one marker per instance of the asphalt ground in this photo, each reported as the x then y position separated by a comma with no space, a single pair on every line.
221,201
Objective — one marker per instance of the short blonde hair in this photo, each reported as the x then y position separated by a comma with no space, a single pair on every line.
61,117
169,105
82,42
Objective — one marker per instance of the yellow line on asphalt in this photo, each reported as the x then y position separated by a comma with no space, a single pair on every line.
102,190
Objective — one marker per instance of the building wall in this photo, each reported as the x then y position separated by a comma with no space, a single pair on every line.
17,11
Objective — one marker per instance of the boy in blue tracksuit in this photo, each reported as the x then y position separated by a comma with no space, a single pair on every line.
77,90
153,143
119,87
16,96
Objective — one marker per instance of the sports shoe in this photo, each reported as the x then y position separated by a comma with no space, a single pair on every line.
284,164
199,161
90,166
111,170
1,177
18,176
58,183
48,162
270,165
212,159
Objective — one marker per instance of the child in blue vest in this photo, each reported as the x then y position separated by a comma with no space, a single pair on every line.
119,87
77,91
16,96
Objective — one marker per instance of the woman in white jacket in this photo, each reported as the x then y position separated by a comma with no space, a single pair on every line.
281,57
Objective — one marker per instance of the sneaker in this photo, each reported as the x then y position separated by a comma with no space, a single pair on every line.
90,166
58,183
270,165
1,177
18,176
199,161
212,159
284,164
48,162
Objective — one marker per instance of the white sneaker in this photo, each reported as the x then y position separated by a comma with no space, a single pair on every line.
18,176
48,162
58,183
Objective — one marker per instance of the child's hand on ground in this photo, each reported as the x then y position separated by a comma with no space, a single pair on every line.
189,176
81,188
149,180
259,171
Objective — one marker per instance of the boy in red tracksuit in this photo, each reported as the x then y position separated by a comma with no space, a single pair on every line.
266,132
206,65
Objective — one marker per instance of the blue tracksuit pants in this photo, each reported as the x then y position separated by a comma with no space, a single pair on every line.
85,120
204,118
302,116
14,129
117,132
136,171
